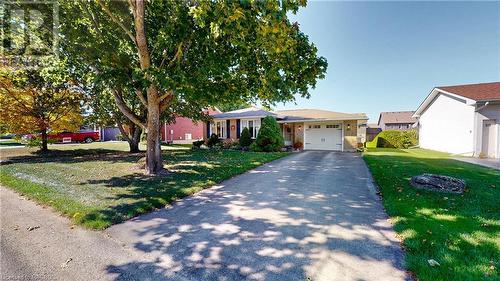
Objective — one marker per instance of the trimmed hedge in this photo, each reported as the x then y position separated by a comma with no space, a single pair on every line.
394,139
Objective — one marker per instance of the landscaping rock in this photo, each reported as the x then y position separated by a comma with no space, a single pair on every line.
438,183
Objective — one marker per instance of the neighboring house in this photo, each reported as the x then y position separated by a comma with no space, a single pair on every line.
313,128
372,131
398,120
184,130
461,119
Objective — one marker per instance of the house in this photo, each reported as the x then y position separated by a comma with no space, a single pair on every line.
307,128
461,119
184,130
372,131
397,120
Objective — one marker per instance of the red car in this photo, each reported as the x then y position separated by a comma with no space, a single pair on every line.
82,136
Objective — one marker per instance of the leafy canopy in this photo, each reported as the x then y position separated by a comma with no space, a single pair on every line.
207,52
38,99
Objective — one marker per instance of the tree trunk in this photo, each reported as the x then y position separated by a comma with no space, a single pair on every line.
135,138
132,136
154,162
44,147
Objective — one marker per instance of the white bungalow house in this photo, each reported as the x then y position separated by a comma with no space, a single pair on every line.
462,120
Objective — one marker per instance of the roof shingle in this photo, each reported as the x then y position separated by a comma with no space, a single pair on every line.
477,92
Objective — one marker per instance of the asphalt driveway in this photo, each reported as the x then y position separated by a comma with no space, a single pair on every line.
310,216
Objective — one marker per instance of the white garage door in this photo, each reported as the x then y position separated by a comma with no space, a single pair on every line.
323,136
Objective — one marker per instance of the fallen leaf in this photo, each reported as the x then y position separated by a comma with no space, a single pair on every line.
16,227
433,263
65,264
31,228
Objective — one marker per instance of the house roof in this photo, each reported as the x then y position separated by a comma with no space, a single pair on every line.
477,92
317,114
243,113
471,93
396,117
291,115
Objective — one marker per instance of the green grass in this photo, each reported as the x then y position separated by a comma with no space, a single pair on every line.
461,232
97,187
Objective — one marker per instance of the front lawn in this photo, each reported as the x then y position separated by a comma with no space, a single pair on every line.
100,187
460,232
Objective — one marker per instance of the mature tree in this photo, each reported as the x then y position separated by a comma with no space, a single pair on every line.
36,100
105,113
195,54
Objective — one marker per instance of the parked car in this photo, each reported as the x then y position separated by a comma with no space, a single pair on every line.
81,136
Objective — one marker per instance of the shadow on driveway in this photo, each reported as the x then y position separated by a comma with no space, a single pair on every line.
310,216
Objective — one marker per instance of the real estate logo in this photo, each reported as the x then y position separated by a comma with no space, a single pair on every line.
29,31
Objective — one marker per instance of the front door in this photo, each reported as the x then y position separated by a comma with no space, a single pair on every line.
287,134
489,137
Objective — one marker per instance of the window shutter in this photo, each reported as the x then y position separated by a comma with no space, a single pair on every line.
228,129
208,129
238,126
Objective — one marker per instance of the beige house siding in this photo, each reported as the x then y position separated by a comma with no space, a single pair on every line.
350,135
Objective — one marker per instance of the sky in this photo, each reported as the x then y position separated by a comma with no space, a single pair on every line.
387,56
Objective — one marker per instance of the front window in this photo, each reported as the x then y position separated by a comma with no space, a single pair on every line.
218,127
253,126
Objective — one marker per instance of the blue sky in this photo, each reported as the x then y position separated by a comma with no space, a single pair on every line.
387,56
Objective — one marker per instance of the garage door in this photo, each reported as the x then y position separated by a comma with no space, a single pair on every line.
323,136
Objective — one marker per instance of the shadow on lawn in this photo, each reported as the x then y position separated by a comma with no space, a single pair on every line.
76,156
459,231
289,222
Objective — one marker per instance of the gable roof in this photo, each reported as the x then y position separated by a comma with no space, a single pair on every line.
317,114
471,94
477,92
396,117
243,113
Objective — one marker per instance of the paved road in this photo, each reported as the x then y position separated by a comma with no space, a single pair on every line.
311,215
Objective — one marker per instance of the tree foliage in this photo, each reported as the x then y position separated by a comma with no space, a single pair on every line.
183,56
269,138
37,101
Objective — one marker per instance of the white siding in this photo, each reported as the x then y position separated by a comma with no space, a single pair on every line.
490,112
447,125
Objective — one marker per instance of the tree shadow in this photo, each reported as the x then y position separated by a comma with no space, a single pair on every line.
308,217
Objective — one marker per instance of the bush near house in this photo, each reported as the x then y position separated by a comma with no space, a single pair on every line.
198,143
394,139
245,139
213,141
269,138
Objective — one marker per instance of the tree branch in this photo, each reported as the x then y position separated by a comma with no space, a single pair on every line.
126,110
115,20
141,97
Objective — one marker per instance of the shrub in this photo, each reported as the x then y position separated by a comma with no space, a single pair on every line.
396,139
227,143
245,139
269,138
213,140
198,143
